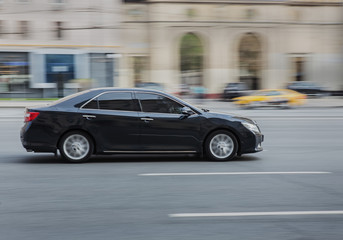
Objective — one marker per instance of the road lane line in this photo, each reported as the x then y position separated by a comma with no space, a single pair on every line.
296,118
250,214
228,173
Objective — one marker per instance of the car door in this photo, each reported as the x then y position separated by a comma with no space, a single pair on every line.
163,126
113,119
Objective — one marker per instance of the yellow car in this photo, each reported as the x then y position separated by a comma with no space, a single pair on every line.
271,97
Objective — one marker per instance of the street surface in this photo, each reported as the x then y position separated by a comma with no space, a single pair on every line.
291,191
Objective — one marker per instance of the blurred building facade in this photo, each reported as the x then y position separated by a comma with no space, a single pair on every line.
265,43
51,48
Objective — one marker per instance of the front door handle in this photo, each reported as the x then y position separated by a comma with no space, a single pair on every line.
145,119
89,117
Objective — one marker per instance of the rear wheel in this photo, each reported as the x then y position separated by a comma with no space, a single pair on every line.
221,145
76,146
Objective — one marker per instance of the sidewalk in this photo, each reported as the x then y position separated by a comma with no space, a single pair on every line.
328,102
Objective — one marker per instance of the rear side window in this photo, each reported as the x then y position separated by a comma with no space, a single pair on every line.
119,101
92,104
158,104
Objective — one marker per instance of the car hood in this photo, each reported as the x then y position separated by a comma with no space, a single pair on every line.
228,116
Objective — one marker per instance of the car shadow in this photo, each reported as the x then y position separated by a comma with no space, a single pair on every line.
51,159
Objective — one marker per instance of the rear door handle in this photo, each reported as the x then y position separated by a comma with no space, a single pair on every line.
89,117
147,119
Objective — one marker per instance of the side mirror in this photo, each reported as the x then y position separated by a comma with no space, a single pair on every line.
187,111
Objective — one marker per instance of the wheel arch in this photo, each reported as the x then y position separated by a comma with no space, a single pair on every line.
80,130
228,129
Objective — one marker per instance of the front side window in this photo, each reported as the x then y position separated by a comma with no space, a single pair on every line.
158,104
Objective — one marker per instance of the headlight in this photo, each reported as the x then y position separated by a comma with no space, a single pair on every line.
251,127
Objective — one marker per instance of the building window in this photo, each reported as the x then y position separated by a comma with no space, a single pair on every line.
299,63
14,71
57,5
191,60
1,28
102,69
60,68
24,29
250,60
191,13
23,1
59,30
139,68
250,13
133,1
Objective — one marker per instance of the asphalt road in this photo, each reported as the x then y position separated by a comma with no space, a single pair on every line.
291,191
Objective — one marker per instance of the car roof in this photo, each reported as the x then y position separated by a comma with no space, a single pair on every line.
127,89
75,99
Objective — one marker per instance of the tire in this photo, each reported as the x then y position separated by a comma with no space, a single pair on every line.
221,145
76,146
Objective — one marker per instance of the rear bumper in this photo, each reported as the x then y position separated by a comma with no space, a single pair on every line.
38,147
34,146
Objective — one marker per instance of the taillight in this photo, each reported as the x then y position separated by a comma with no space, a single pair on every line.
30,116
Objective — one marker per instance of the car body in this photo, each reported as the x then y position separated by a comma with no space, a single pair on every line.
235,89
308,88
271,97
114,120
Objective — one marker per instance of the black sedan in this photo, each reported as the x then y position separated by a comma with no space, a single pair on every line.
113,120
308,88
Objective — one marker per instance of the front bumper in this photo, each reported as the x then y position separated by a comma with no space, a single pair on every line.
259,140
252,144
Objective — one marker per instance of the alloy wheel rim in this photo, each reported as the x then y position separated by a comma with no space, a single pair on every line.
76,147
221,146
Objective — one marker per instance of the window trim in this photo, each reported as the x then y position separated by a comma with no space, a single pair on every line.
132,96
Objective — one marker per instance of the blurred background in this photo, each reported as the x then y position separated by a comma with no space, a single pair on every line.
51,48
208,49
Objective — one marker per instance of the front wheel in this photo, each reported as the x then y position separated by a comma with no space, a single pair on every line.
76,146
221,146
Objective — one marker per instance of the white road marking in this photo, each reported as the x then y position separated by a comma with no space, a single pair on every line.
249,214
228,173
297,118
11,119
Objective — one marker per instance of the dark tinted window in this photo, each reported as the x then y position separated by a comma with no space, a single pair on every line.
121,101
157,103
92,104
